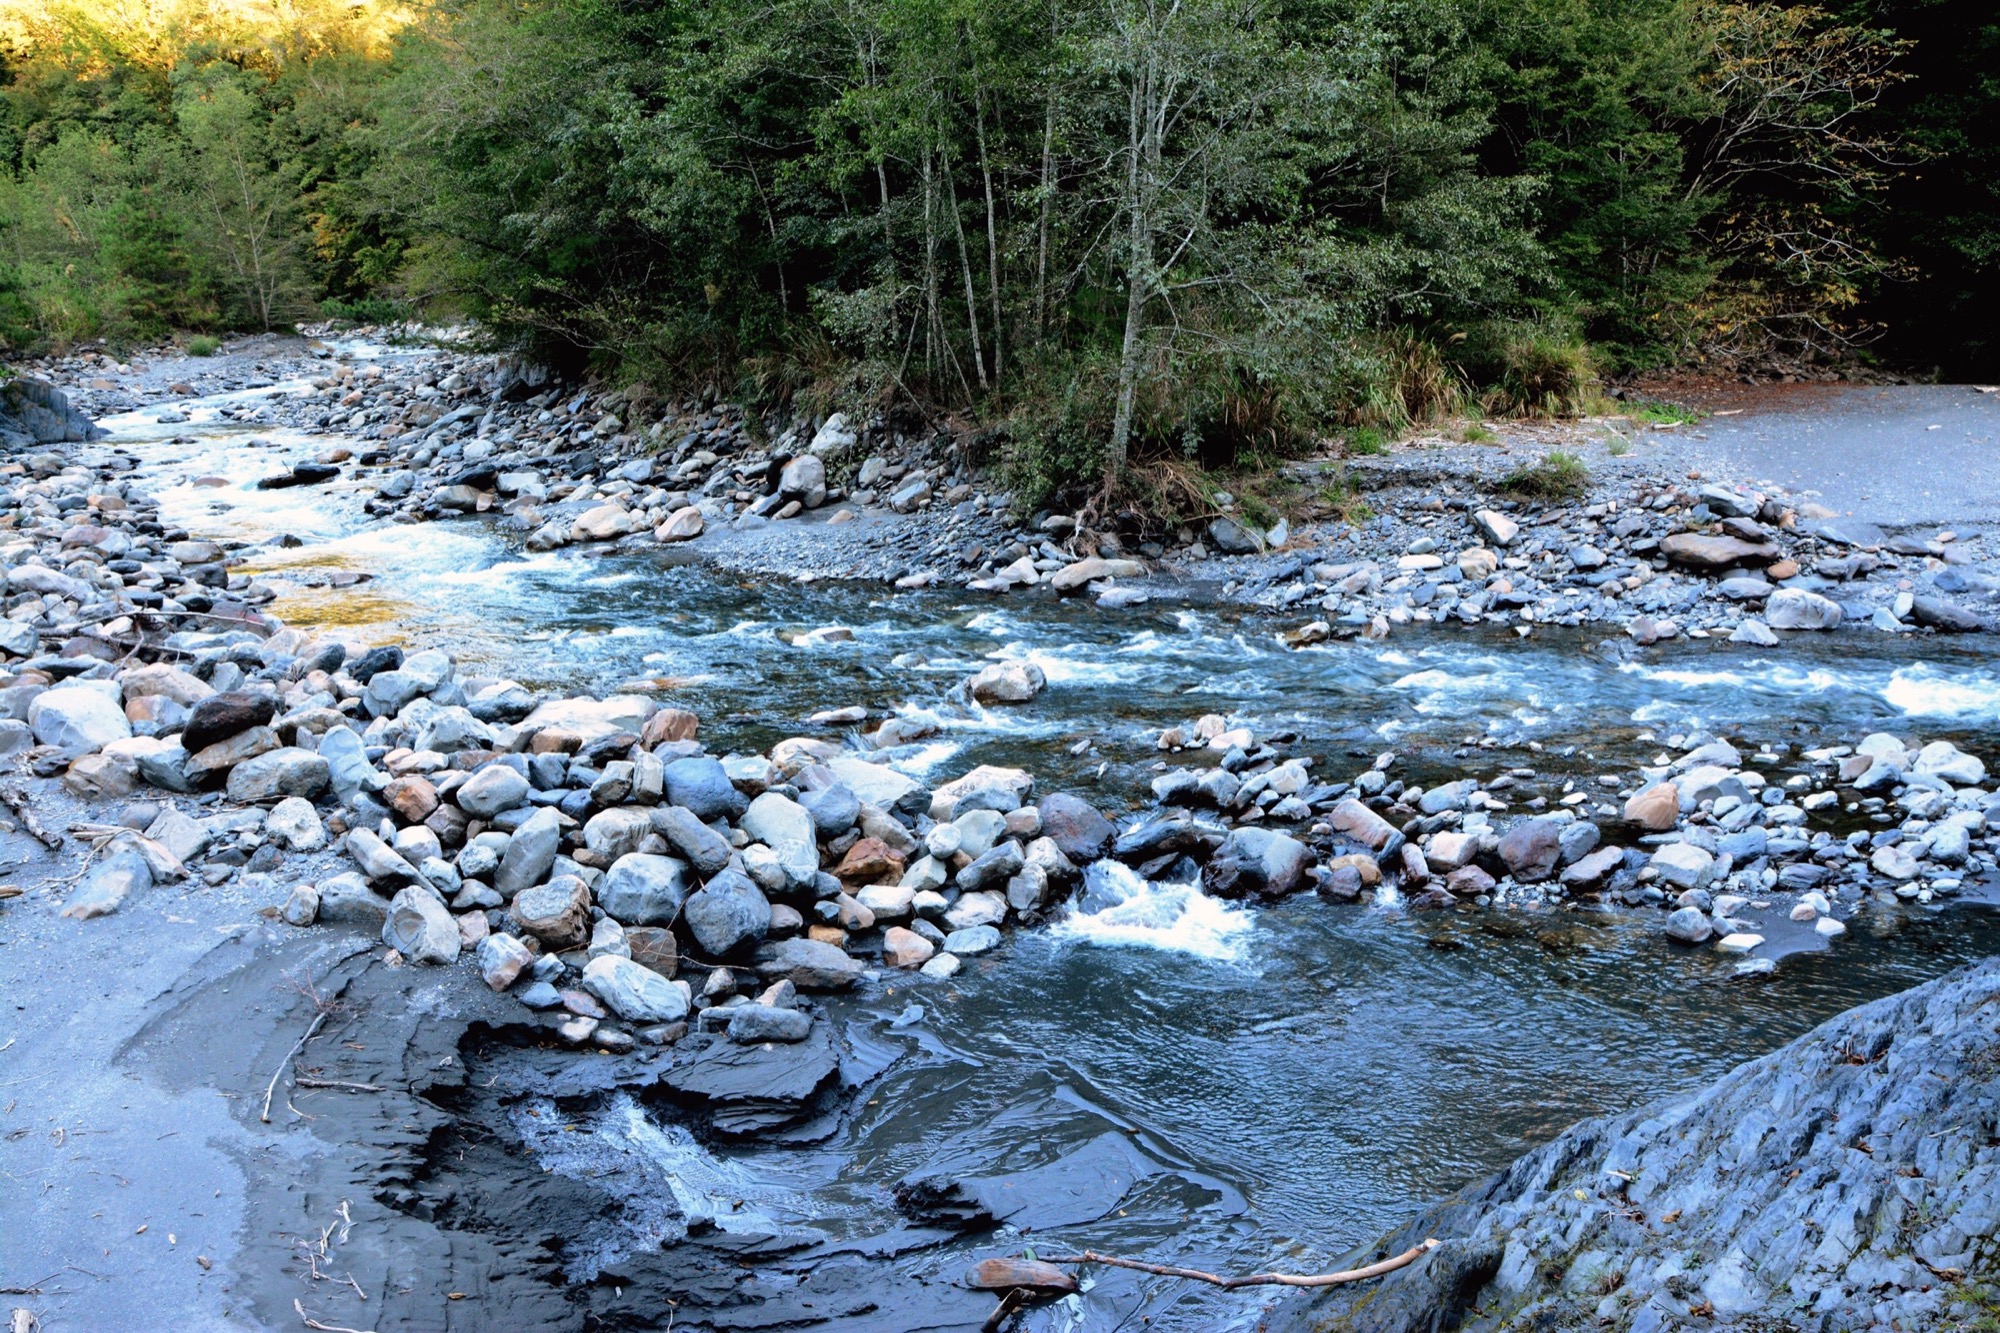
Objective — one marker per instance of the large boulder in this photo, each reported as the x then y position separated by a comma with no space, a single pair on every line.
700,785
1079,831
1257,861
1007,683
808,964
77,719
491,790
556,913
1530,849
701,846
419,927
613,833
1795,608
1704,552
634,992
728,915
289,771
641,889
530,853
223,715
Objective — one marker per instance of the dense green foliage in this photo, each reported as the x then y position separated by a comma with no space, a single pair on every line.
1120,227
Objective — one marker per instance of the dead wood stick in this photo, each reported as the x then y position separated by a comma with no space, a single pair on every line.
306,1081
1407,1257
310,1322
17,800
272,1087
1009,1303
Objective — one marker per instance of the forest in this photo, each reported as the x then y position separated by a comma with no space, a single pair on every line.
1098,230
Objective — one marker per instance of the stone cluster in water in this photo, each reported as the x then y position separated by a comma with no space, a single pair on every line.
1737,855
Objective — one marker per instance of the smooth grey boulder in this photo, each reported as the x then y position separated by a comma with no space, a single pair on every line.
634,992
701,846
1689,925
530,854
728,915
113,880
700,784
1078,830
77,719
289,771
641,889
615,833
347,898
808,964
420,928
750,1023
490,790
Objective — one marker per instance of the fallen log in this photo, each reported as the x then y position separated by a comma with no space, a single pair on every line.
1404,1259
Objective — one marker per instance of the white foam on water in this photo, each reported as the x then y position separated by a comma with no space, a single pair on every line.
1758,674
922,760
1062,668
1924,691
1176,918
704,1185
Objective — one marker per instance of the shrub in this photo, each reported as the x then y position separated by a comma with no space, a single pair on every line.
203,344
1531,370
1367,440
1557,476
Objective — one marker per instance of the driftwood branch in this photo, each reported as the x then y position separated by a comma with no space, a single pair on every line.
17,800
312,1323
1407,1257
297,1046
307,1081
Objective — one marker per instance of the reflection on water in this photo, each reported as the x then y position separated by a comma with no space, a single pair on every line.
1308,1073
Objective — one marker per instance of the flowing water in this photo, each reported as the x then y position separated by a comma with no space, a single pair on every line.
1304,1075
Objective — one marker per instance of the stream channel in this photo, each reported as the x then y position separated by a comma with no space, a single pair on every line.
1303,1076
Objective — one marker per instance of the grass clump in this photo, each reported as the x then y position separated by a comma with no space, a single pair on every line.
1558,475
1645,412
1366,441
1477,434
204,344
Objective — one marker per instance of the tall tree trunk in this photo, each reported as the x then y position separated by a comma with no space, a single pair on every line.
1138,266
1048,204
992,232
965,266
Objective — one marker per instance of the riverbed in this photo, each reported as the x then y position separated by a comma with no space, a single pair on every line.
1294,1078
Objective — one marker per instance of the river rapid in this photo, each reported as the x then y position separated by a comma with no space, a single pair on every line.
1300,1076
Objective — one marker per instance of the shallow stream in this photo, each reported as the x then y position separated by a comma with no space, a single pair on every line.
1303,1075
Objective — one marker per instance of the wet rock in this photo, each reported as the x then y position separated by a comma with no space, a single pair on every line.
635,992
1689,925
749,1089
905,948
1530,849
752,1023
1684,865
1082,1185
641,889
1007,683
1078,830
972,941
1946,617
728,915
1257,861
420,928
1075,577
556,913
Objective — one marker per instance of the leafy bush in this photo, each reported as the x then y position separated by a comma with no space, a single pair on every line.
1531,370
1558,475
203,344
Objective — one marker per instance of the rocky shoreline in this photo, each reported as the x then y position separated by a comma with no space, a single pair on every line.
684,915
1658,556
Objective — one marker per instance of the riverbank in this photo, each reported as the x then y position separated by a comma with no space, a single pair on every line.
1261,759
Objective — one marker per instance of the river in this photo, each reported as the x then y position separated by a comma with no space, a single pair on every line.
1301,1076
